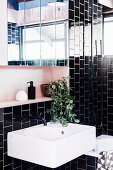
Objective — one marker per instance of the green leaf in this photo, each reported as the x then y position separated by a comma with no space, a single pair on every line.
62,106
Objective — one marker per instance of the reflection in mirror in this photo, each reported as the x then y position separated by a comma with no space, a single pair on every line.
13,33
38,32
3,32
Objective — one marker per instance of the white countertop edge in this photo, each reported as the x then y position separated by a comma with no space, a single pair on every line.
17,103
92,153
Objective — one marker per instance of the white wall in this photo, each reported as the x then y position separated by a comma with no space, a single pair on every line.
12,80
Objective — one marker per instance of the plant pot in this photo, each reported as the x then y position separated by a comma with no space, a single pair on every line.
45,90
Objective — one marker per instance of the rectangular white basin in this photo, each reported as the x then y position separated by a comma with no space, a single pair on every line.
51,145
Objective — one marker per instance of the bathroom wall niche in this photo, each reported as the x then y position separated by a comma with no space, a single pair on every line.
37,32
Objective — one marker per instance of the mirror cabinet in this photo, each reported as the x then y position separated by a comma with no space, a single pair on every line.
36,33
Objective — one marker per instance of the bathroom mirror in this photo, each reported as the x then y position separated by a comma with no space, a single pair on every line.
37,32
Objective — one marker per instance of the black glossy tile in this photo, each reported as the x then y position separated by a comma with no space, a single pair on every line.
1,127
82,110
73,166
110,117
38,168
67,165
104,81
90,160
7,159
100,97
86,59
77,60
110,132
16,163
63,167
72,91
82,100
39,122
25,116
1,140
6,130
9,167
110,76
17,109
47,105
81,83
25,125
25,165
86,69
104,120
105,112
77,86
41,112
17,113
71,63
83,157
77,69
110,101
71,5
110,109
77,105
1,165
1,114
104,96
110,84
7,109
104,88
7,119
81,91
20,168
82,119
110,93
82,73
77,78
110,126
81,63
5,146
71,73
71,82
77,96
1,154
25,107
81,163
33,109
33,122
47,117
16,125
91,168
41,104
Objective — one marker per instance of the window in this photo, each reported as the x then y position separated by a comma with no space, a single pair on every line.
108,35
48,42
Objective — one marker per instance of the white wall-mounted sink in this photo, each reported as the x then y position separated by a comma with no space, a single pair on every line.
51,145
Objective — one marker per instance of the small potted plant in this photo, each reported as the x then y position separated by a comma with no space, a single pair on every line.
62,108
45,90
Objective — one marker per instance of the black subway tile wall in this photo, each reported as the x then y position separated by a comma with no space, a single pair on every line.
108,94
17,117
91,73
85,64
